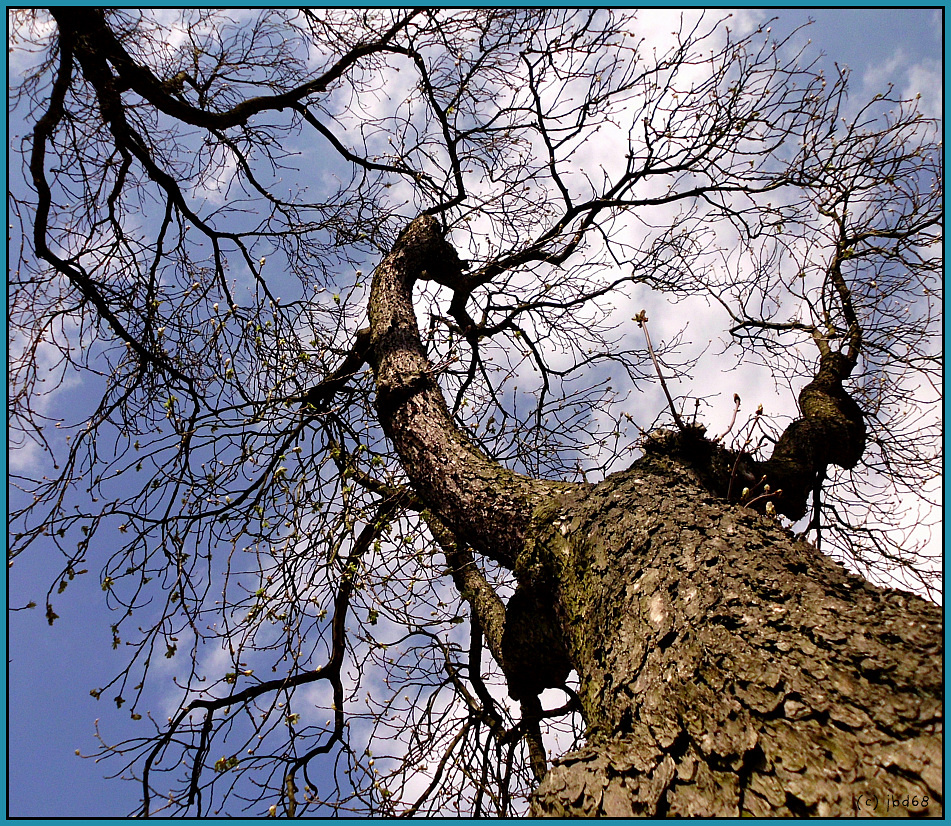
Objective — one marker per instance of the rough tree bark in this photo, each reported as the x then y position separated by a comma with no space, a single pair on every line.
725,668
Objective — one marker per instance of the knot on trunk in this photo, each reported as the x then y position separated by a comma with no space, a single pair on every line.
533,649
422,252
825,398
830,432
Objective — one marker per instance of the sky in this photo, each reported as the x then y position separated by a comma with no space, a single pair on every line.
51,669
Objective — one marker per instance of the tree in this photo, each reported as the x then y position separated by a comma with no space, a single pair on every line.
316,502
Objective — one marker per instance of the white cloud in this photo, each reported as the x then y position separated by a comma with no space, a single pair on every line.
49,362
28,34
910,76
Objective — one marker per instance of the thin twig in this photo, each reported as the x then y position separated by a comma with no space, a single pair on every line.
736,409
641,319
765,495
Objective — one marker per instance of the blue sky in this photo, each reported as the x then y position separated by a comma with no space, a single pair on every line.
52,669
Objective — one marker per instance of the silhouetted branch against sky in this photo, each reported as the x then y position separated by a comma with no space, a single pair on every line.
201,499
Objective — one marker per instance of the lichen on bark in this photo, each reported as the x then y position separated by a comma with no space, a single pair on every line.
727,669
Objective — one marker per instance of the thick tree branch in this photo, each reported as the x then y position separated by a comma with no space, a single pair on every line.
488,506
89,24
830,432
42,133
318,398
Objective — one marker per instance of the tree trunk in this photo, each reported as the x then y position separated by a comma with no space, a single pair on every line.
727,669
